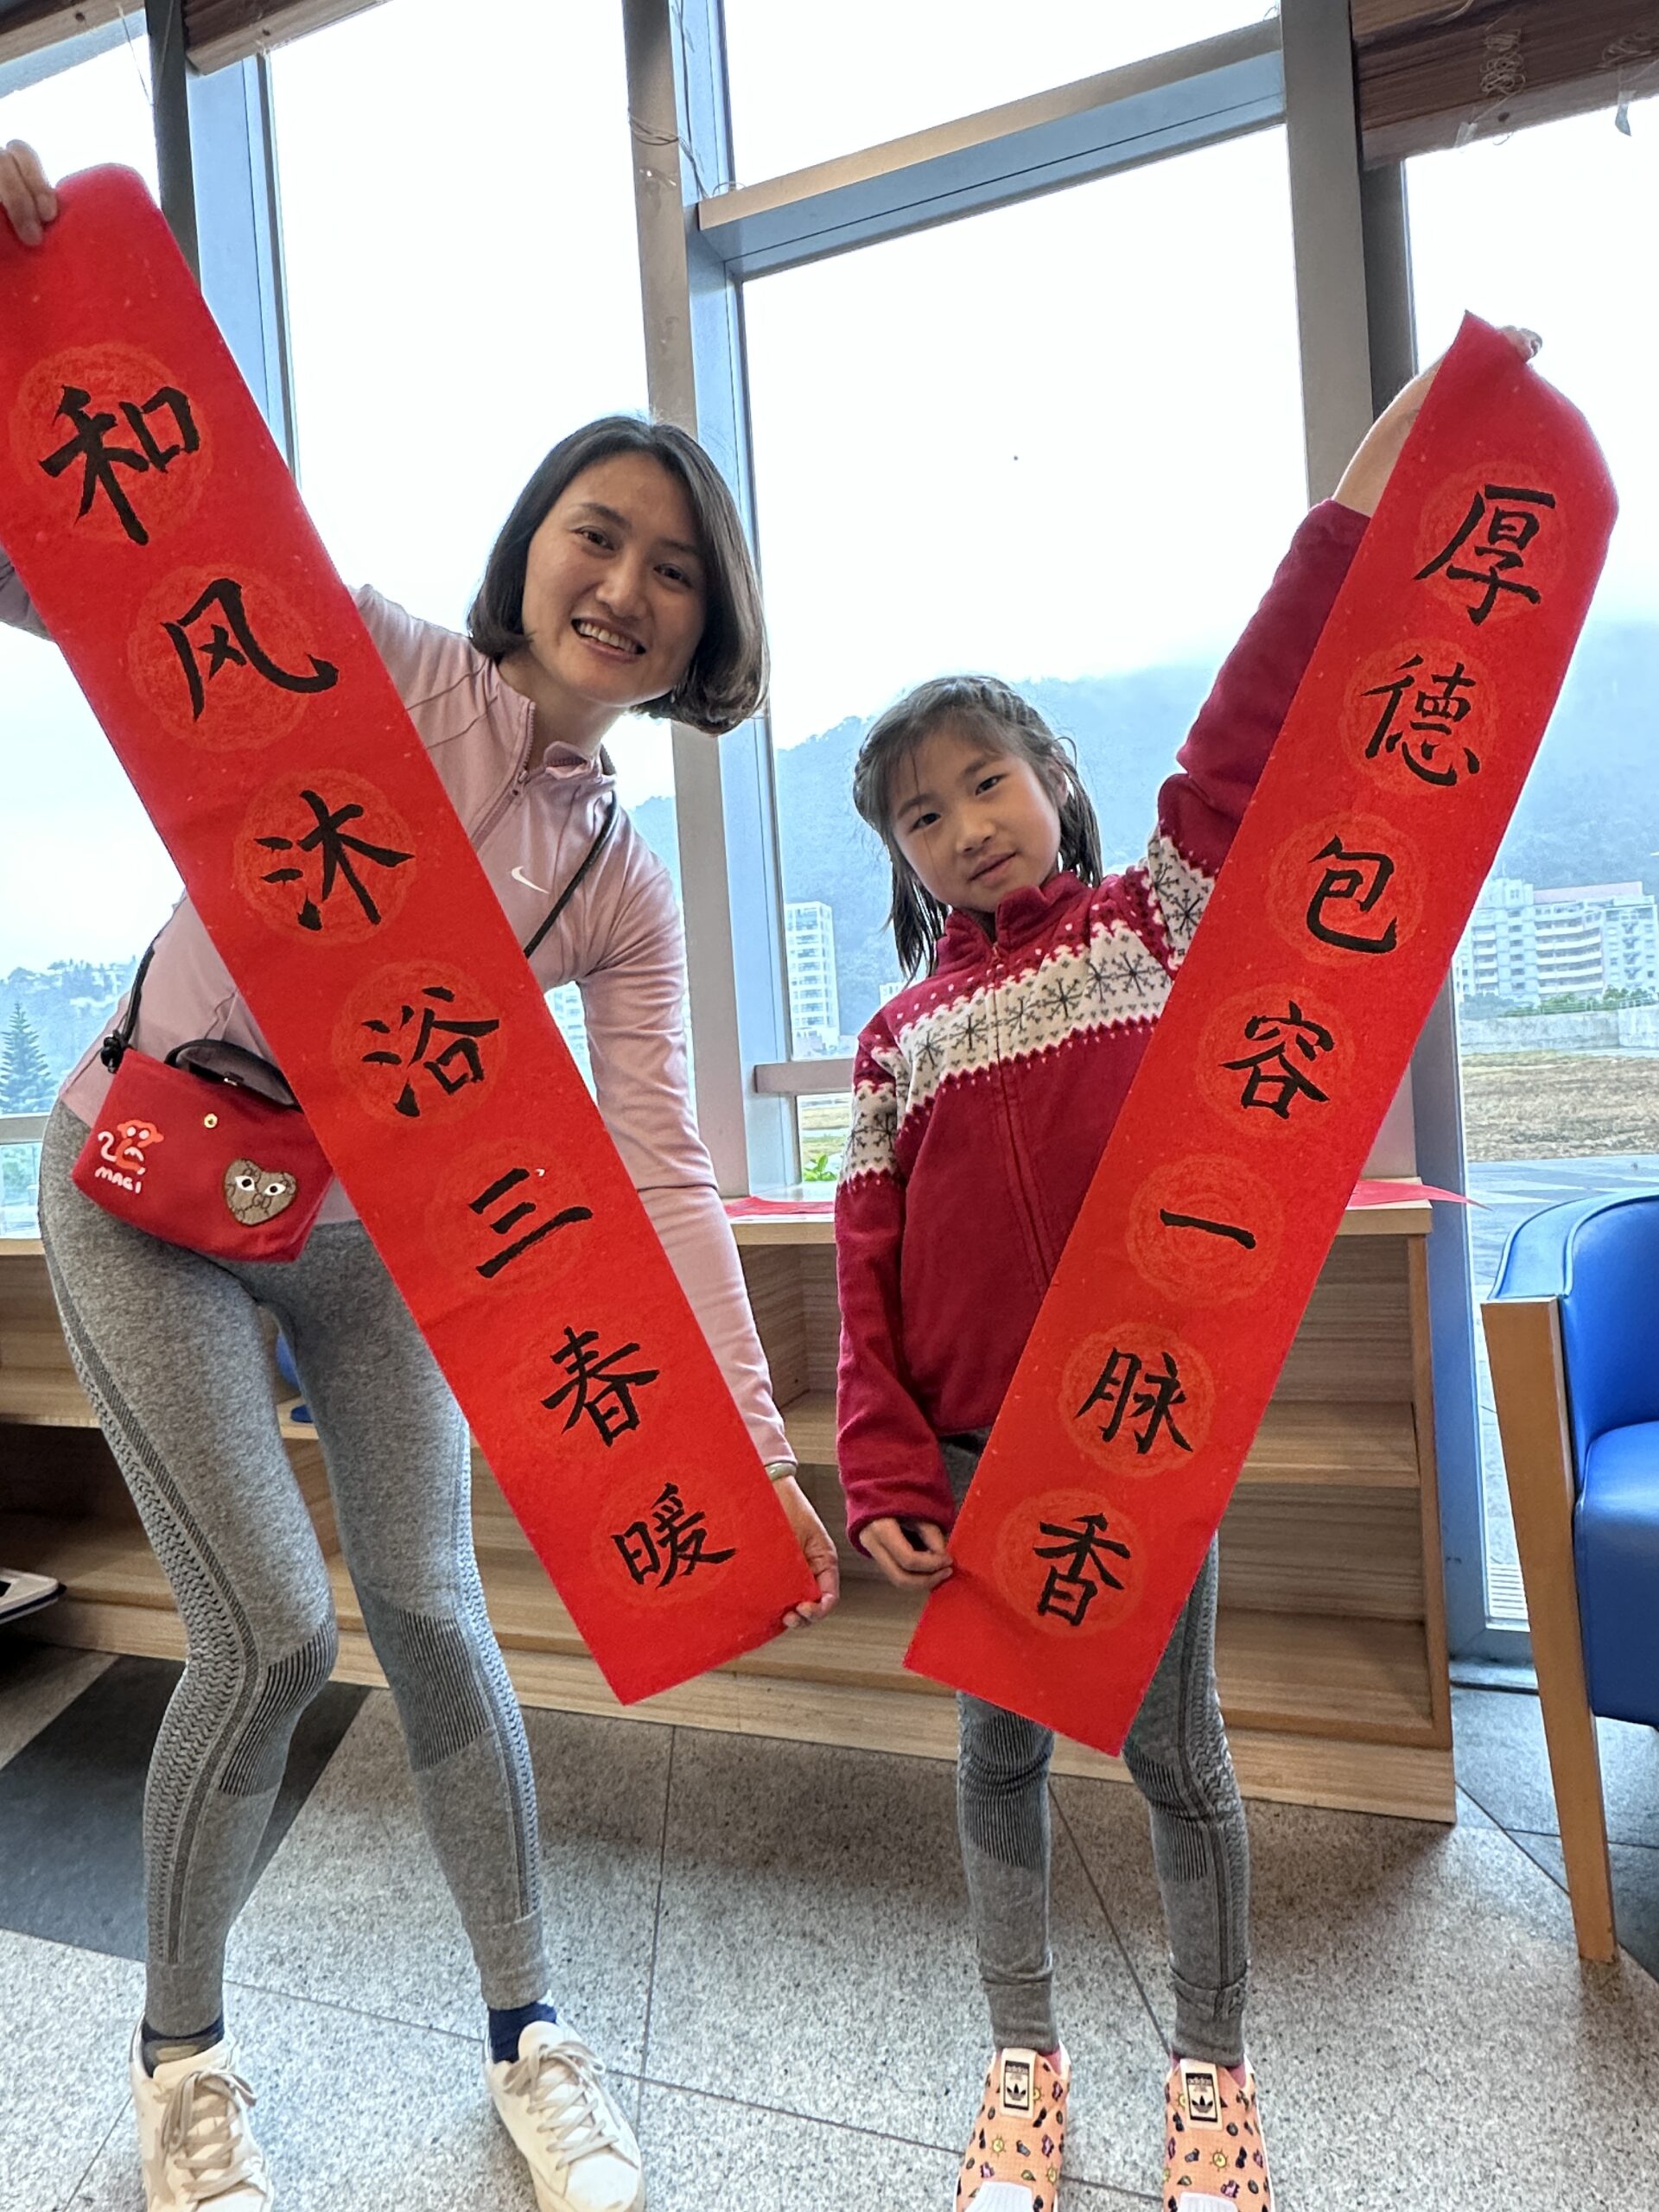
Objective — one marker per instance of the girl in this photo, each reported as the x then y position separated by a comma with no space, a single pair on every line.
983,1095
621,579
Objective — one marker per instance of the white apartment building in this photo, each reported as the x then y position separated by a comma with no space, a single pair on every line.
814,1000
1523,945
565,1006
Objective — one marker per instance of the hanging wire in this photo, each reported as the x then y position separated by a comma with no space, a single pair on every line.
1502,74
1635,57
145,86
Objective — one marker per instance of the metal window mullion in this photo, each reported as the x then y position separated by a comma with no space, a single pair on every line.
1327,226
724,797
232,137
216,161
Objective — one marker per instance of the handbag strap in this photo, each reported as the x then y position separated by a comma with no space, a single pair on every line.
115,1045
114,1048
569,890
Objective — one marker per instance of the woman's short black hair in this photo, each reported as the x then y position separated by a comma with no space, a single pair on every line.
726,682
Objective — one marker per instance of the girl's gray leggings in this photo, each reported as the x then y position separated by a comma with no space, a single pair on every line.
169,1347
1177,1753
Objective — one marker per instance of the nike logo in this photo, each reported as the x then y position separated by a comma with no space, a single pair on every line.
518,876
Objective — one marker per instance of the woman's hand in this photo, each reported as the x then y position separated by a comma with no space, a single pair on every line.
817,1548
1367,474
28,199
910,1562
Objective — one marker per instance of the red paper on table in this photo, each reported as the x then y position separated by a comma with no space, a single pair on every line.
1286,1035
161,536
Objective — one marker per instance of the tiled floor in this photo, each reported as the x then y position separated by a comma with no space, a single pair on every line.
768,1943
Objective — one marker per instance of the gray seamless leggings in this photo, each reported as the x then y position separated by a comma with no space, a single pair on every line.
1177,1753
169,1347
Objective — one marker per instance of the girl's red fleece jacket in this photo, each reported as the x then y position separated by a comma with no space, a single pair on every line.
983,1096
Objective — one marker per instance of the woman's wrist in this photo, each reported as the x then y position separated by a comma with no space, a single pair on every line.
782,1471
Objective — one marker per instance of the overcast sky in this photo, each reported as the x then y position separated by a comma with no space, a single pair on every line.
1056,440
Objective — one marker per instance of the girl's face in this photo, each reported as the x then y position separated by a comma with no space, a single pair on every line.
974,822
615,595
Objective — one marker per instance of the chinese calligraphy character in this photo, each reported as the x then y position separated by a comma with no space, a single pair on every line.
452,1069
100,460
1119,1388
231,642
1360,881
1422,744
596,1388
510,1220
1072,1586
330,838
1510,529
1274,1078
1223,1228
676,1541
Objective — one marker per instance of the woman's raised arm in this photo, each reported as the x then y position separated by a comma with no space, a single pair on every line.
26,196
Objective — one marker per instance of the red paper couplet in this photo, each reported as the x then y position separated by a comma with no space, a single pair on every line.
161,536
1286,1034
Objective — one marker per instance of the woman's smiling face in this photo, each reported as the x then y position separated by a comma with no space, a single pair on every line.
614,595
974,821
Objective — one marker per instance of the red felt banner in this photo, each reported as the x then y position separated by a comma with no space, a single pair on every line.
162,541
1289,1029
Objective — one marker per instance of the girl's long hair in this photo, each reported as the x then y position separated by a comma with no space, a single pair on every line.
982,706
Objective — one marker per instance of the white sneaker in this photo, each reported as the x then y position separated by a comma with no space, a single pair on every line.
194,2134
25,1593
580,2151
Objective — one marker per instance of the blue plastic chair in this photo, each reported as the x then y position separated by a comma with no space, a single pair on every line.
1572,1330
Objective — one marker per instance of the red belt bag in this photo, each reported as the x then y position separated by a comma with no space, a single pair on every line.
208,1149
198,1150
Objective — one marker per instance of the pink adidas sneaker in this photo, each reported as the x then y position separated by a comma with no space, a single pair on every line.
1215,2159
1014,2152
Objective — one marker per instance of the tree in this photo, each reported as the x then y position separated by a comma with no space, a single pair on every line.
25,1077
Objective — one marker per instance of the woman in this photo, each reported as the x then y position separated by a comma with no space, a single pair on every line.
621,579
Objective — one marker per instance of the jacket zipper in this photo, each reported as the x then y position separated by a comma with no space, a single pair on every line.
514,789
1038,1243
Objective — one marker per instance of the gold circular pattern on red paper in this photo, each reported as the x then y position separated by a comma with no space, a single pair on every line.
419,1068
653,1545
1137,1399
1205,1230
1052,1555
283,811
1262,1087
1539,564
233,706
158,499
1384,910
477,1217
1445,670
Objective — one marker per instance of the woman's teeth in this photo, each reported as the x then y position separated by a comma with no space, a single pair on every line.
611,638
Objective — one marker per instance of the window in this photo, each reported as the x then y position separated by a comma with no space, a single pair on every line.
1557,979
1062,442
463,285
85,881
808,84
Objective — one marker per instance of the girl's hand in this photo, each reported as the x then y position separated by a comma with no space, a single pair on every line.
26,197
817,1548
910,1562
1368,472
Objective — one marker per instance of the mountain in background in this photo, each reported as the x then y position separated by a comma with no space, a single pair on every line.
1589,815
